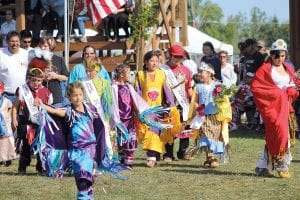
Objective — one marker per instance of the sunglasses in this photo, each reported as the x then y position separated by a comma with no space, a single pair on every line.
8,14
27,42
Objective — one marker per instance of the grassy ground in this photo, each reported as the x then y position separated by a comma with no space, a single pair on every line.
177,180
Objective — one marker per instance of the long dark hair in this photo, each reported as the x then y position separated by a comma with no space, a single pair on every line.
210,45
149,55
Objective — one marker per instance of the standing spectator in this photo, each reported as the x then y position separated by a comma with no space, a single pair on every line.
190,64
34,19
26,40
274,92
58,72
7,26
78,71
229,77
265,51
178,76
253,58
211,57
13,65
241,64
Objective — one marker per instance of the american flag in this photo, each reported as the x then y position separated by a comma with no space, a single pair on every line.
102,8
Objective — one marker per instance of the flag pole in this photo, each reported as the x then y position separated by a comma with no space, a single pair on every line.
66,33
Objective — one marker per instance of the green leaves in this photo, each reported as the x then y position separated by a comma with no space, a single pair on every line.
143,19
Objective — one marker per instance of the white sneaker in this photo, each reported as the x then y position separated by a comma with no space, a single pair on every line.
83,39
58,39
72,40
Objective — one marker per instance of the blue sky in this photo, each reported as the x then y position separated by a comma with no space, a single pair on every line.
280,8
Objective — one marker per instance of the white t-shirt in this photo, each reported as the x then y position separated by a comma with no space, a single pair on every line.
192,66
13,69
229,77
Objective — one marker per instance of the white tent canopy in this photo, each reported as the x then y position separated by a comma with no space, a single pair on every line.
196,38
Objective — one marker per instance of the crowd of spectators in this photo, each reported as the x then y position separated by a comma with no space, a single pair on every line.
42,17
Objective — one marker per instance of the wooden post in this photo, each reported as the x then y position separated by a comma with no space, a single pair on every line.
20,15
166,23
295,32
173,18
140,44
183,10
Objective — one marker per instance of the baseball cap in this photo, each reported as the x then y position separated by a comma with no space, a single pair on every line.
177,50
249,42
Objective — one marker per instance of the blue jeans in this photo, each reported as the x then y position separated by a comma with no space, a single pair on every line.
81,19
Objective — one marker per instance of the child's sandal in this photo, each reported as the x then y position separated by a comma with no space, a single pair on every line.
213,163
151,163
206,164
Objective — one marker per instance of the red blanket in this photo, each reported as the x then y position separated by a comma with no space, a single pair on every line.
274,105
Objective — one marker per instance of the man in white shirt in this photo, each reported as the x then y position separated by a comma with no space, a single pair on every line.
13,64
7,26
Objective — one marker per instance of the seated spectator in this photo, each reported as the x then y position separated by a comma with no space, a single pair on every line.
6,2
7,26
34,19
123,18
81,19
49,22
26,40
110,23
58,8
75,8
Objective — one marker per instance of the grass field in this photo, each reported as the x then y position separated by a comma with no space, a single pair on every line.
177,180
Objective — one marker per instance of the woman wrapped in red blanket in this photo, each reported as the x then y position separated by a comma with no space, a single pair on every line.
274,91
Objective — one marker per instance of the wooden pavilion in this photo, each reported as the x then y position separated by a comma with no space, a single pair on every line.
172,15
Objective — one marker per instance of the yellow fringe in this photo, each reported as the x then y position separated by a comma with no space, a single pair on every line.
224,115
192,108
293,127
167,136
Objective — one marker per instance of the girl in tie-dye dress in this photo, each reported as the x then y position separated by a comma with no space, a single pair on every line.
84,126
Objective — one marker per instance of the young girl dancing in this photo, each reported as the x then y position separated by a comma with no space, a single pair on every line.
212,140
126,103
82,141
151,84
